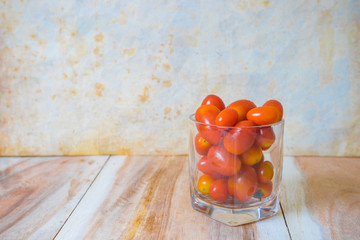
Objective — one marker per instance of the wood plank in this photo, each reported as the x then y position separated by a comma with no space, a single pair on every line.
143,197
38,194
321,197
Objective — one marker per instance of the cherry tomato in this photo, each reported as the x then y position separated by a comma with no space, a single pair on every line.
204,166
263,190
223,162
243,184
252,156
263,115
241,138
212,134
214,100
277,105
218,190
201,145
258,164
207,114
204,184
231,186
265,137
227,118
242,107
265,172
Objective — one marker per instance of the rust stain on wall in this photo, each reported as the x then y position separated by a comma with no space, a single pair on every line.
167,83
265,3
145,96
129,52
167,110
166,67
170,44
99,89
73,92
97,51
99,37
155,78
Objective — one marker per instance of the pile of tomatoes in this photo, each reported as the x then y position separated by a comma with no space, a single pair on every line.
231,141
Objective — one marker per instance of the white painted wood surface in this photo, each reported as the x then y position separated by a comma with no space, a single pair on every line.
321,197
147,197
298,217
156,206
37,195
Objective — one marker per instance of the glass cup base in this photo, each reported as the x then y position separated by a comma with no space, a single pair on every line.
236,216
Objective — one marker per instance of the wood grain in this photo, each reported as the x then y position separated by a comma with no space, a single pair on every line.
38,194
143,197
321,197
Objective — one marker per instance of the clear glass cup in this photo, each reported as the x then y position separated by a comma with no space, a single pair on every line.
247,161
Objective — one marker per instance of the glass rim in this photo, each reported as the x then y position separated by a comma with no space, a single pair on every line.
192,118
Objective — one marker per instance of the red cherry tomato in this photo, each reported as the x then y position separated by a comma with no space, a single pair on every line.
227,118
204,166
243,184
265,172
241,138
265,137
207,114
277,105
252,156
223,162
201,145
204,184
218,190
263,190
242,107
214,100
231,186
212,134
263,115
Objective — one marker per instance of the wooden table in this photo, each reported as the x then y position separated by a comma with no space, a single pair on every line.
147,197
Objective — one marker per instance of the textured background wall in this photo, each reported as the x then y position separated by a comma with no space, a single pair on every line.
121,77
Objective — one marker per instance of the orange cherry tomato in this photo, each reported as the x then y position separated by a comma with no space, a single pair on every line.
241,138
243,184
263,190
265,137
263,115
265,172
252,156
277,105
207,114
219,190
214,100
201,145
204,166
223,162
227,118
204,184
242,107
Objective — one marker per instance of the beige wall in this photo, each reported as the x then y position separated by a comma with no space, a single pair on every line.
121,77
